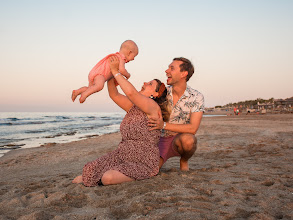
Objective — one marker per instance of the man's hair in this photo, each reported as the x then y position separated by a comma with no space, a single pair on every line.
186,65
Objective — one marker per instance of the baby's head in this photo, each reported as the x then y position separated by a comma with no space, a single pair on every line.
129,49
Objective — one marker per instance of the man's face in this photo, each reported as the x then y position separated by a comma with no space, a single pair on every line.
173,72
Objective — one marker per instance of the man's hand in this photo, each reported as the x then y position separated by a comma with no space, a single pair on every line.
156,123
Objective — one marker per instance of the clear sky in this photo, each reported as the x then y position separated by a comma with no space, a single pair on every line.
241,50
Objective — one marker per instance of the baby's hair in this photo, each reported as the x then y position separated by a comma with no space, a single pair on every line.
129,45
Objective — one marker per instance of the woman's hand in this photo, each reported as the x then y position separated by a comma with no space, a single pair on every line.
114,64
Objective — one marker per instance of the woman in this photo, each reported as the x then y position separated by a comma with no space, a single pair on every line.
137,156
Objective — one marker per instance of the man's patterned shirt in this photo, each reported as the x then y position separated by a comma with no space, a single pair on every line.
191,101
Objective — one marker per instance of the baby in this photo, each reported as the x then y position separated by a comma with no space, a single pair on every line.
102,73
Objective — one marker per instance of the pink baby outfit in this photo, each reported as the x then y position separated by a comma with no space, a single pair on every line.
103,67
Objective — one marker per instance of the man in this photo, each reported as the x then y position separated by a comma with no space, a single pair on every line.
187,109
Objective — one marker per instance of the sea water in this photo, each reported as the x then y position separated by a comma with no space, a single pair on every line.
33,129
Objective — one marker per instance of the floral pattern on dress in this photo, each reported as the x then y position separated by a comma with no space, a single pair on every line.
137,155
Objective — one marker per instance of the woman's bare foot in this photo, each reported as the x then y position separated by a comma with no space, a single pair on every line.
74,95
77,179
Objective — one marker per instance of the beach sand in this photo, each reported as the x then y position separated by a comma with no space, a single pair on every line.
242,169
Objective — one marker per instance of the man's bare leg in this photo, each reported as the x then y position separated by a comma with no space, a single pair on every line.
185,144
161,162
111,177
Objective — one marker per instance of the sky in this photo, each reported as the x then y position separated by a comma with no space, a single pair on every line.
241,50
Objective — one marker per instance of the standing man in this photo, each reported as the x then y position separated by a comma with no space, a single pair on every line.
187,106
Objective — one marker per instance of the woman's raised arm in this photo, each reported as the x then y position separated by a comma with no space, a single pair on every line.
147,105
121,100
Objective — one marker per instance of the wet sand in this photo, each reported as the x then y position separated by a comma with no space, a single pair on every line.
242,169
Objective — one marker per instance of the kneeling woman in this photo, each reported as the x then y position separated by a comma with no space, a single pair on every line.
137,156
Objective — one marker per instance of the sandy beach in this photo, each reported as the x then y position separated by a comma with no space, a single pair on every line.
242,169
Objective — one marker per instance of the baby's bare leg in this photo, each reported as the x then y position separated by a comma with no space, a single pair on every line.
97,86
77,92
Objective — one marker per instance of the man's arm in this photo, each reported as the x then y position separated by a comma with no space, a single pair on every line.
195,119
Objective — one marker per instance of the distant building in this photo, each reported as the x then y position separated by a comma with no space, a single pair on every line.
266,106
271,105
283,103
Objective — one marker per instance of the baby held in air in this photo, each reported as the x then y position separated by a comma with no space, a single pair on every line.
102,73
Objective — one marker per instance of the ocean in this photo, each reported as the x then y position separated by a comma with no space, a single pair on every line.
32,129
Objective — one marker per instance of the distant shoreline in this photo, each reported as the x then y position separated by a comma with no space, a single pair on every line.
218,113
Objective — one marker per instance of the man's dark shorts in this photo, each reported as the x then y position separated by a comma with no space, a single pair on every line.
166,148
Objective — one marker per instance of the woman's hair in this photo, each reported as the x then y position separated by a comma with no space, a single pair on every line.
162,100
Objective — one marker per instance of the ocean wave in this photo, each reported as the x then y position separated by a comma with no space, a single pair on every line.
10,142
23,123
11,146
87,118
58,117
13,119
68,133
106,118
35,131
6,124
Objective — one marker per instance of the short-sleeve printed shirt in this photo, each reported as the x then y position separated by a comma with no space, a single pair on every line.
191,101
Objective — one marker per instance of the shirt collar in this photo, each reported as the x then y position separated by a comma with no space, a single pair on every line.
186,93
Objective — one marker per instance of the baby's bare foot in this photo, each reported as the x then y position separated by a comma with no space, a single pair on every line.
74,95
82,98
77,179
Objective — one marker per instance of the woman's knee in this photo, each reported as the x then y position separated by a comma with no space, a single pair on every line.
107,178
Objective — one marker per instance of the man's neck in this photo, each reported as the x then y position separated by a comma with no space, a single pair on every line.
179,89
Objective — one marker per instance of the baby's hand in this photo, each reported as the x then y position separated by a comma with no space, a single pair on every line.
124,72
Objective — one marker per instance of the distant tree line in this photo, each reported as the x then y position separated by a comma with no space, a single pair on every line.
247,103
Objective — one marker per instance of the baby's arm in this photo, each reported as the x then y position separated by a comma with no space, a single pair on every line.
122,69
